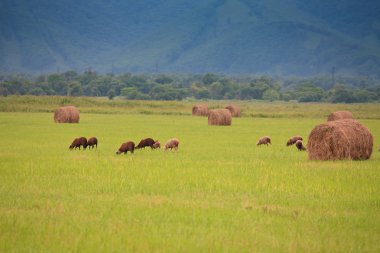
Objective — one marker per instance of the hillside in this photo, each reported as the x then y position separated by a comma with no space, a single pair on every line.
290,37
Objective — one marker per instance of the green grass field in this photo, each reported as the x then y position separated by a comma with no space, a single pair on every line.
218,193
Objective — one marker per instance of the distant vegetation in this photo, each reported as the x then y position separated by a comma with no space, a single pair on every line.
186,86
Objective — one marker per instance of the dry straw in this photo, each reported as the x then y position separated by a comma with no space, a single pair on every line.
220,117
235,111
340,115
340,139
200,110
66,114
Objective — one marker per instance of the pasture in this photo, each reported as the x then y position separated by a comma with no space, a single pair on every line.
218,193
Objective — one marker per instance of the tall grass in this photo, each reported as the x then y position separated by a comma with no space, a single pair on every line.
256,109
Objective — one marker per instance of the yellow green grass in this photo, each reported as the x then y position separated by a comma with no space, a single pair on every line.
218,193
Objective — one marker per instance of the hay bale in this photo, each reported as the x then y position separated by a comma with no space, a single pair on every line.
235,111
220,117
340,139
340,115
200,110
66,114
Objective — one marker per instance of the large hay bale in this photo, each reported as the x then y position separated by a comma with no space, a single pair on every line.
66,114
220,117
200,110
340,115
235,111
340,139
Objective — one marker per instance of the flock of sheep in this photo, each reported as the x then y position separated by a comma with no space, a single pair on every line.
341,137
126,146
297,140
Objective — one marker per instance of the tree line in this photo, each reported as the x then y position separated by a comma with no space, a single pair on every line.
198,86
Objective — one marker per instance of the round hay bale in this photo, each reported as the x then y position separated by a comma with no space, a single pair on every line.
219,117
66,114
340,115
340,139
200,110
235,111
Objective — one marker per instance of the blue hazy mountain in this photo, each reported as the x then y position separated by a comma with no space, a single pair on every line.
283,37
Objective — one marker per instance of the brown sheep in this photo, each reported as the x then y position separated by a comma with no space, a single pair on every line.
156,144
92,142
148,142
264,140
81,141
293,140
172,143
125,147
300,146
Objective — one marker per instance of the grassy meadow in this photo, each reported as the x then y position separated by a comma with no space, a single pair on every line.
218,193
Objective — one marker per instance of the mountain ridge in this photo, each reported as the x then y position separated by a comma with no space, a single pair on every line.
289,37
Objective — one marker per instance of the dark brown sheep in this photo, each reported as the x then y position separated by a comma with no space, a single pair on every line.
300,145
125,147
148,142
81,141
264,140
92,142
156,144
293,140
172,143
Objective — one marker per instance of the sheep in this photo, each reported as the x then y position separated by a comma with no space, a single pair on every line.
293,140
148,142
125,147
156,144
264,140
300,146
172,143
91,142
77,142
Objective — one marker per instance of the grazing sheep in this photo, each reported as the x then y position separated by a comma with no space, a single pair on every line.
92,142
81,141
264,140
125,147
172,143
156,144
148,142
300,146
293,140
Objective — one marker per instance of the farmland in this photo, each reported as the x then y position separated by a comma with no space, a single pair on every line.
218,193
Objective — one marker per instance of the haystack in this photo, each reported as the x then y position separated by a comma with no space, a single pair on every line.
340,115
66,114
235,111
220,117
200,110
340,139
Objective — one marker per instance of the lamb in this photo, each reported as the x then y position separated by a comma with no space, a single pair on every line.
156,144
148,142
91,142
300,146
264,140
172,143
81,141
125,147
293,140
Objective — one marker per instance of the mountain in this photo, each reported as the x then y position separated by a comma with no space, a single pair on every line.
276,37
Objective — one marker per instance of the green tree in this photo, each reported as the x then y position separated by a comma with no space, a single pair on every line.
111,94
209,78
271,95
308,93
